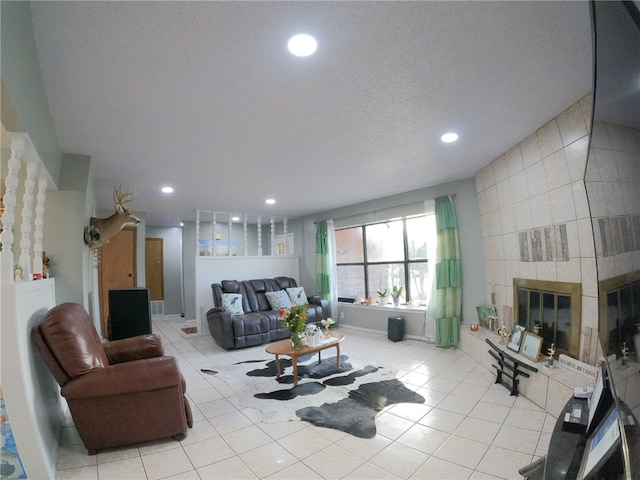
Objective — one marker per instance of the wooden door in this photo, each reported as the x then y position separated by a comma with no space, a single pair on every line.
117,269
154,267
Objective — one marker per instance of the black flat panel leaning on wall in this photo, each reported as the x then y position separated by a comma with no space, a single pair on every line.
129,313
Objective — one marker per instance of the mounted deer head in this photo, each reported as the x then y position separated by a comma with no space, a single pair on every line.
102,229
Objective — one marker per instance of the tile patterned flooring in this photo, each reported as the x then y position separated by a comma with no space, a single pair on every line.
468,427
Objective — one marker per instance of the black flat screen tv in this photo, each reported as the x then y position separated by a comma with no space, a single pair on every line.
601,445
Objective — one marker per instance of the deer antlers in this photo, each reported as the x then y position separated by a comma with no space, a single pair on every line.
121,198
100,230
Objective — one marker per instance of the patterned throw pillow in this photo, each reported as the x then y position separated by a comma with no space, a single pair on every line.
232,302
278,300
297,296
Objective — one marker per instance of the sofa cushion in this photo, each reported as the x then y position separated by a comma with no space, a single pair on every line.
297,296
278,300
232,302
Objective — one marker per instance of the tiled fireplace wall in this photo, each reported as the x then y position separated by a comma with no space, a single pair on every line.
613,186
536,222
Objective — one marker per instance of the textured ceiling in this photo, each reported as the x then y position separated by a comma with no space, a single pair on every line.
203,96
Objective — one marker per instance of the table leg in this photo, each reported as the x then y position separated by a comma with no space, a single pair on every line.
294,362
338,356
278,371
319,356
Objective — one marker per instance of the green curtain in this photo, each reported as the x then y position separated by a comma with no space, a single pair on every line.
323,262
448,294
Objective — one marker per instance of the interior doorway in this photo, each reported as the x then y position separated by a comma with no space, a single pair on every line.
154,268
117,269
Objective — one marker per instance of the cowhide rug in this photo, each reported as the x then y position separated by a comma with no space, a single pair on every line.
346,400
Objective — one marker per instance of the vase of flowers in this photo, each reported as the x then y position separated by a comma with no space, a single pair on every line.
326,323
295,319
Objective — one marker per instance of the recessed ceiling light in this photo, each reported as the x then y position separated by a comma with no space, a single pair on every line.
449,137
182,224
167,189
235,219
270,201
302,45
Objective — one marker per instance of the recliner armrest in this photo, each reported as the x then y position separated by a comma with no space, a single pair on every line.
324,304
125,378
221,327
134,348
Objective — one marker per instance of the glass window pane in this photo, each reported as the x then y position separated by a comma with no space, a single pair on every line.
563,328
385,242
627,320
379,278
351,281
612,321
349,245
418,230
523,307
548,320
419,276
396,277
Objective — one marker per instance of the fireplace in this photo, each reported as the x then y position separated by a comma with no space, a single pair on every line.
553,310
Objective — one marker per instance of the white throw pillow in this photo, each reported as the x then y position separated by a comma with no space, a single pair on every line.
232,302
278,300
297,296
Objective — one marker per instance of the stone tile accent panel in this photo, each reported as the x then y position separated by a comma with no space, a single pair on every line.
546,244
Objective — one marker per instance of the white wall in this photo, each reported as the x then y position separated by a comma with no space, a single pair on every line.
34,405
210,270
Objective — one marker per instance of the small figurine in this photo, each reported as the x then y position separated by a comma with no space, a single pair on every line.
17,273
502,331
551,351
45,265
625,351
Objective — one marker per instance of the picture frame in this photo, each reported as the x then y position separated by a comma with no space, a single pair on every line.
636,344
485,316
531,346
516,338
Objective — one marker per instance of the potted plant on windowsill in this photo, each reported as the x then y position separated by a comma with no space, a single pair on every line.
382,295
396,292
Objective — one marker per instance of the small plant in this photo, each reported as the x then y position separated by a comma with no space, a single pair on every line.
396,291
383,293
327,322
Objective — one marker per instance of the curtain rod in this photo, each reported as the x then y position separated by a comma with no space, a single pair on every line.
452,195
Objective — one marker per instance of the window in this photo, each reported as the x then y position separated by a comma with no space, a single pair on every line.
554,309
377,256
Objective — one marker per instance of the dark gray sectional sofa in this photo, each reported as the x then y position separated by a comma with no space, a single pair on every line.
259,323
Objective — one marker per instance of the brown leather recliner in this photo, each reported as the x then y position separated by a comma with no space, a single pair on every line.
120,392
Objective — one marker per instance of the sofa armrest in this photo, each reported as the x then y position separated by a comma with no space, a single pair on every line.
134,348
221,327
125,379
324,304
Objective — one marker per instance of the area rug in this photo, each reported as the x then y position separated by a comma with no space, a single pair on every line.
346,400
189,330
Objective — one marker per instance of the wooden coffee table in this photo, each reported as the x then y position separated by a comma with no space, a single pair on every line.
284,347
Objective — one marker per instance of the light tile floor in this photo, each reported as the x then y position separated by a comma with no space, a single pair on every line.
468,427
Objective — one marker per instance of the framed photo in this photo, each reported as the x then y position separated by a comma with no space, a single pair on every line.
516,338
531,346
636,344
484,316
